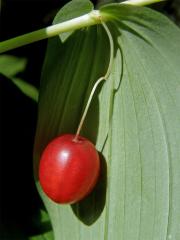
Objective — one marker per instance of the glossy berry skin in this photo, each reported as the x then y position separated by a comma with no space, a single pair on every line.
68,169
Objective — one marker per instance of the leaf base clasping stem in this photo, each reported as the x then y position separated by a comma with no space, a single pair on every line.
93,18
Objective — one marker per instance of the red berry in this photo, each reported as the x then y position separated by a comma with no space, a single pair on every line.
69,168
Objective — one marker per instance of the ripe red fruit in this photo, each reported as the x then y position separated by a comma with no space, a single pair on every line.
69,168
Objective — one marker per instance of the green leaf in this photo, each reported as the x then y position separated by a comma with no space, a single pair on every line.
10,66
45,236
28,89
133,120
73,9
42,226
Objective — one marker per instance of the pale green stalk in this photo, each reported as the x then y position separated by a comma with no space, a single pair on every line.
76,23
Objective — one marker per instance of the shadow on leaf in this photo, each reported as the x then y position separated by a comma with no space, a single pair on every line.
90,208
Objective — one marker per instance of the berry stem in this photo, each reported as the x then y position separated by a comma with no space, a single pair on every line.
105,77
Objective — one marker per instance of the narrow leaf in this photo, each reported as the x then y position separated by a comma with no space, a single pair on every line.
28,89
10,66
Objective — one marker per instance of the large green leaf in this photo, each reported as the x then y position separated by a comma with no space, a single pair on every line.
133,120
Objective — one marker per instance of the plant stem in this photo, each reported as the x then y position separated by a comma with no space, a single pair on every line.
86,20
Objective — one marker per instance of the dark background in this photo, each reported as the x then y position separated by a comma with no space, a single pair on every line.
19,200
